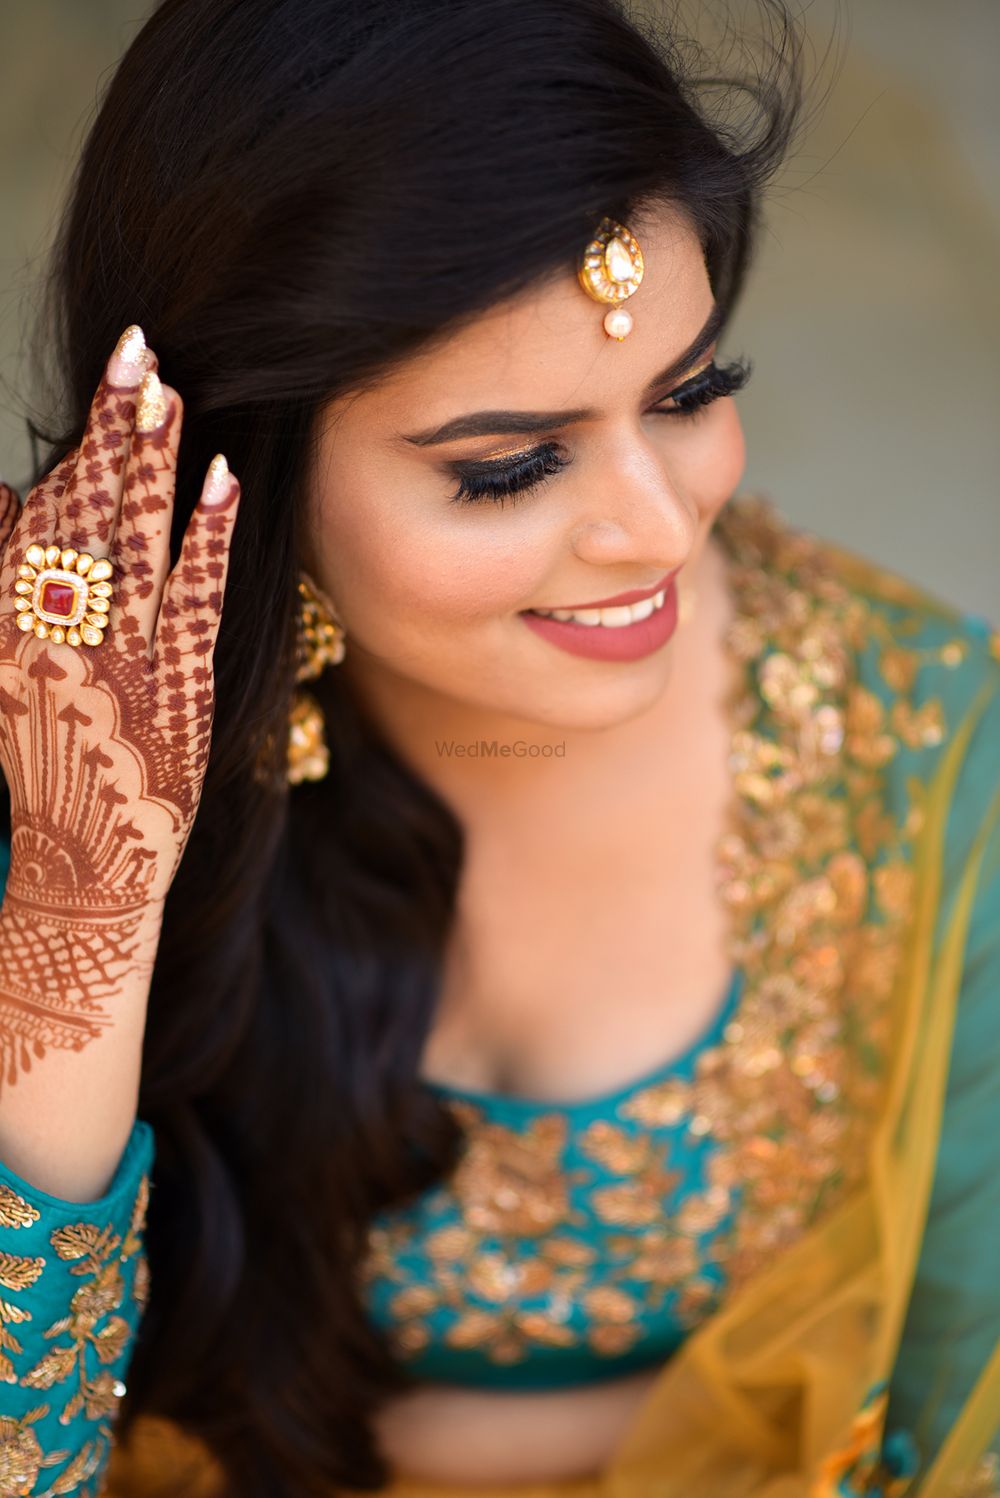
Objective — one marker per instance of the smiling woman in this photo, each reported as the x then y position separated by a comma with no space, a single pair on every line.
638,461
558,1053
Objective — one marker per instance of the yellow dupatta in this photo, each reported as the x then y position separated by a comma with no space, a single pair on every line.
833,871
768,1398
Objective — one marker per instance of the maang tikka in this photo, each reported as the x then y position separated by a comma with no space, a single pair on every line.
610,270
319,639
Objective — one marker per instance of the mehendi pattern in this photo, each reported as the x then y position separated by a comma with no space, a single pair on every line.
104,750
701,1179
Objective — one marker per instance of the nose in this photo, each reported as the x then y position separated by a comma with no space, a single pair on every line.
633,512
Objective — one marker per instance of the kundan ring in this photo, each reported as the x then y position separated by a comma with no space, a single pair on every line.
63,595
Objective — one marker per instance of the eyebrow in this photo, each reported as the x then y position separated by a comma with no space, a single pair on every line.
490,423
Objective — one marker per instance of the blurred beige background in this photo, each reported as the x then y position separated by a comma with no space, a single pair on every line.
872,317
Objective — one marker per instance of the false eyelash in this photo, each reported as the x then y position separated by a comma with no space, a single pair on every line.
706,387
502,481
499,482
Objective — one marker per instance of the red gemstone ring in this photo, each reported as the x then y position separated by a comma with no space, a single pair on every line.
63,595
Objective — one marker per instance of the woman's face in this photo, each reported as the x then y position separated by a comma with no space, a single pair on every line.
432,593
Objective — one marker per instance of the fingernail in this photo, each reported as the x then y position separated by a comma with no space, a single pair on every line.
151,405
218,484
127,364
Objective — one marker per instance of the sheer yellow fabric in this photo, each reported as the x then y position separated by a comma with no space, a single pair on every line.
762,1399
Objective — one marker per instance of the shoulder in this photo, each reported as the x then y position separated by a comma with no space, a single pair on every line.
873,691
837,581
915,672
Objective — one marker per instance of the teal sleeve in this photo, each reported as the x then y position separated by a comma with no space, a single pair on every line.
953,1321
73,1287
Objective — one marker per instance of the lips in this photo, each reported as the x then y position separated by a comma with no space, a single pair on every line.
635,595
628,642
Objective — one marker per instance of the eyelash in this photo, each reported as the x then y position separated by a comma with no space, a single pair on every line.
499,482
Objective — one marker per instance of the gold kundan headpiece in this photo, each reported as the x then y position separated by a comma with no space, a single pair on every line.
610,270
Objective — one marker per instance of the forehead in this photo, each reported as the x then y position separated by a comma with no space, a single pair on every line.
547,348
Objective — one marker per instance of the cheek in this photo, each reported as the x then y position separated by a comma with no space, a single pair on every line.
397,564
716,460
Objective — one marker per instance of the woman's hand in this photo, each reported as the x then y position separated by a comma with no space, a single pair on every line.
104,746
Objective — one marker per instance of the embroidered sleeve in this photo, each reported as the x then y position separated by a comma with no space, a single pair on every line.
73,1286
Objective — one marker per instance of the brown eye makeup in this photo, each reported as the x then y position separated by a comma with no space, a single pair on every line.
502,480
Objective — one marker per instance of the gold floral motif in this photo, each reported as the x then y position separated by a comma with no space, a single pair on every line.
96,1252
511,1182
17,1272
790,1094
22,1458
814,871
15,1212
918,726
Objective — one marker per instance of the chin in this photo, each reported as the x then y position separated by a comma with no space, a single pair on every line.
603,704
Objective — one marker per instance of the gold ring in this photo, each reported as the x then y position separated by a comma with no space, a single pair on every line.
63,595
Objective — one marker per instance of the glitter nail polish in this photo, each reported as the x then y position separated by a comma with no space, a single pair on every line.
127,364
151,405
219,481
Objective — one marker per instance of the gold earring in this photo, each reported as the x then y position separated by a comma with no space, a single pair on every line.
319,643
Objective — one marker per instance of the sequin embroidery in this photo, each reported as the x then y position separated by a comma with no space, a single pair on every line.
521,1252
92,1329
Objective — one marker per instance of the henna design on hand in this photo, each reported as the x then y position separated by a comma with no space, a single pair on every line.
104,748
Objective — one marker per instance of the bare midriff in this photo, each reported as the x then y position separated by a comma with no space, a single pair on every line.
441,1433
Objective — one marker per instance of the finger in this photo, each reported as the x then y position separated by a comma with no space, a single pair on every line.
10,509
34,523
88,498
140,546
188,623
37,523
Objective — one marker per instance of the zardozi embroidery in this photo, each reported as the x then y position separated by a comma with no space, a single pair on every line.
90,1338
814,869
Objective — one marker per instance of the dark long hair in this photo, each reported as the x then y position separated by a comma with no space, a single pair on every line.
291,196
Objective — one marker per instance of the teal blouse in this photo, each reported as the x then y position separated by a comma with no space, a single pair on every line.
594,1249
617,1190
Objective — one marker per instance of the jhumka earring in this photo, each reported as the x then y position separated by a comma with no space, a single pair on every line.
610,270
319,643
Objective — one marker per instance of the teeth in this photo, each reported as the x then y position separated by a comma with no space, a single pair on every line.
615,618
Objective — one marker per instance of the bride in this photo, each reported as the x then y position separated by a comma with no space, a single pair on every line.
498,955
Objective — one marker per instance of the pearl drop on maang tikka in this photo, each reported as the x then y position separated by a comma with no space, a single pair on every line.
610,270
